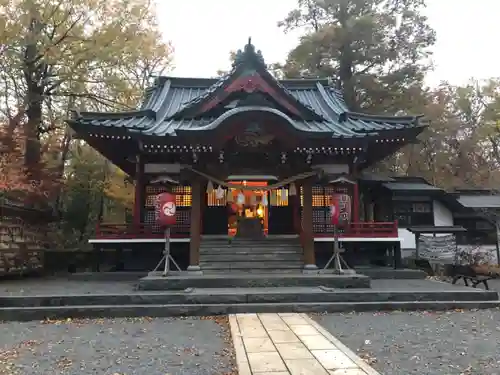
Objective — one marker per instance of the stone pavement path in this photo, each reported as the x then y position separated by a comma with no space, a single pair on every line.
290,344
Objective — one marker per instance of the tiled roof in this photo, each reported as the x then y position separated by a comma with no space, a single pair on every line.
182,104
410,186
170,95
480,201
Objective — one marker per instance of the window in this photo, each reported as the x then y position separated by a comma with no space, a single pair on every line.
413,213
479,232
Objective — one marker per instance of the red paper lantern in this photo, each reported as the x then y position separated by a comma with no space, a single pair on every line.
335,211
165,209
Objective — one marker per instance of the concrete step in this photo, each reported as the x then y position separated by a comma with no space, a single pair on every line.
246,250
250,246
235,272
122,311
261,278
248,295
248,243
249,257
258,265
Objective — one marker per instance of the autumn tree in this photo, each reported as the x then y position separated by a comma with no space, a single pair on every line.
76,54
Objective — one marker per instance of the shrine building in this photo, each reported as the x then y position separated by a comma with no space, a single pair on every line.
255,158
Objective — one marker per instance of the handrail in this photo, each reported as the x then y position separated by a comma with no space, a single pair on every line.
134,230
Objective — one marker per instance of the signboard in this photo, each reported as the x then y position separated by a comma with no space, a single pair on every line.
438,249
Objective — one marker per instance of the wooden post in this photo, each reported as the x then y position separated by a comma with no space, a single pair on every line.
295,203
307,227
497,242
398,259
96,258
139,193
355,203
194,245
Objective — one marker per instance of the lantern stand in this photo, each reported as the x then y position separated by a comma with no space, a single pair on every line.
336,257
165,217
167,256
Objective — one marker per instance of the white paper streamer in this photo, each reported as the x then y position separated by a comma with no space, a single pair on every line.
210,187
220,193
241,198
264,200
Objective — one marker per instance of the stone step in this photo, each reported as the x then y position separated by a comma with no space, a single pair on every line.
257,265
249,257
250,246
246,250
232,272
124,311
263,278
247,295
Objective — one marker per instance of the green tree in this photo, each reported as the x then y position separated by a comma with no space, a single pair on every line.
377,51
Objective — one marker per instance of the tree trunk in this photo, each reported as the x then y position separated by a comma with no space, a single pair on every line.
346,63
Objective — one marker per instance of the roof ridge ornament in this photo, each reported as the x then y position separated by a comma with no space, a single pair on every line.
248,54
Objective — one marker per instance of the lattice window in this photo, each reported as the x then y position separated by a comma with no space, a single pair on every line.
321,198
183,200
183,196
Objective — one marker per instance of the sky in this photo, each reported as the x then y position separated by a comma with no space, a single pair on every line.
204,32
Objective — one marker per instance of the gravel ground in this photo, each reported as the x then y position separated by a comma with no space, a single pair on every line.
424,343
117,347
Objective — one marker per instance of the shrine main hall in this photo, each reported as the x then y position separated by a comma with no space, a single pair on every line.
254,163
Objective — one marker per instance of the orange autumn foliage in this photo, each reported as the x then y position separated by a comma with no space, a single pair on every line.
12,172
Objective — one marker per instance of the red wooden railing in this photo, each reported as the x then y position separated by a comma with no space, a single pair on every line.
372,229
132,230
127,231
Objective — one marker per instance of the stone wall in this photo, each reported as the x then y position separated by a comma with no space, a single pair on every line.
22,247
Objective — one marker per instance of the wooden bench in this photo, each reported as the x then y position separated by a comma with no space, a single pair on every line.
424,265
467,273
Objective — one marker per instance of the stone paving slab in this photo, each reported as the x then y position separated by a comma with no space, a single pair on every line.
290,344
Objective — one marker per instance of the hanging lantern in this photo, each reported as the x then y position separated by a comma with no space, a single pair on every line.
264,200
241,198
292,190
210,187
220,193
229,196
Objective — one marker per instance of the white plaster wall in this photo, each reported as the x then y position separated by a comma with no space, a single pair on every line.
442,217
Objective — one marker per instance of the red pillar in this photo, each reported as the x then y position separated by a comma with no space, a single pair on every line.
307,227
139,192
355,208
195,230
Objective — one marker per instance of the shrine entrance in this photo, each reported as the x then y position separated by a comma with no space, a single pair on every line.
248,212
